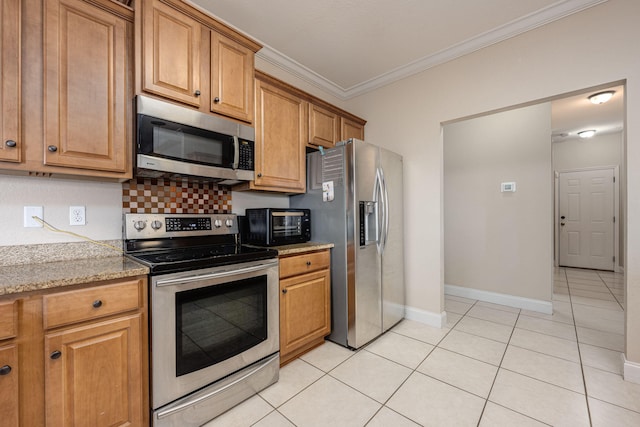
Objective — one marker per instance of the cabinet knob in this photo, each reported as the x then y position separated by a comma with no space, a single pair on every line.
52,148
216,100
308,263
55,355
97,303
10,143
284,291
197,92
5,370
259,175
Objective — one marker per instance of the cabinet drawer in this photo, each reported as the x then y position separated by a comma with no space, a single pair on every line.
91,303
305,263
8,312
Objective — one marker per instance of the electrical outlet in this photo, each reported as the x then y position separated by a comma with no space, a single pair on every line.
77,215
29,213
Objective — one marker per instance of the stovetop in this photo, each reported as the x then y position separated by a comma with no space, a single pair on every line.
182,242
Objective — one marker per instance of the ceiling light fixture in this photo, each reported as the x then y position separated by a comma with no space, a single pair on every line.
586,133
601,97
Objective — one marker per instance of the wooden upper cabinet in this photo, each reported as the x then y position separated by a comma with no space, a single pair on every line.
86,93
281,134
171,53
10,144
351,129
324,126
231,78
191,58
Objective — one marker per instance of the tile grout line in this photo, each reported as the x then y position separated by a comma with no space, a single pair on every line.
493,383
584,380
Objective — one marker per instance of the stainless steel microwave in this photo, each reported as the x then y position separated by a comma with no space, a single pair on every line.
277,226
176,141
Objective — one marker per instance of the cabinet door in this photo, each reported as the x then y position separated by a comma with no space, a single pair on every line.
281,134
171,53
350,129
9,386
324,126
10,147
305,310
94,374
86,87
231,78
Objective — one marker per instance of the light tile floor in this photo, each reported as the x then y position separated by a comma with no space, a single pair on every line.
492,366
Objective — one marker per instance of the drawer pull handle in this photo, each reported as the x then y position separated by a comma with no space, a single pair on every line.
308,263
5,370
97,303
11,143
284,291
55,355
52,148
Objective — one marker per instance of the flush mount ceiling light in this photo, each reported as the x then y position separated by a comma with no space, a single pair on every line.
586,133
601,97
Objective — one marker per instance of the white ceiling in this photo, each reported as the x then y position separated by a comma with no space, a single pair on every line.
349,47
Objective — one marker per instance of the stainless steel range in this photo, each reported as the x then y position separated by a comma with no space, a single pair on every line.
213,314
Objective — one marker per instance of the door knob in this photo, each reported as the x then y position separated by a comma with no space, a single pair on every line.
562,217
562,223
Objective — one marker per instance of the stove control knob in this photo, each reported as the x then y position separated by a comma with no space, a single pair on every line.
156,225
139,225
229,223
217,223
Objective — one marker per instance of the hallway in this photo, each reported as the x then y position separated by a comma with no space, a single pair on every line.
492,366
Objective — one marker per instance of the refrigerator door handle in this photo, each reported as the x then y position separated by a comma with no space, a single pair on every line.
385,211
381,205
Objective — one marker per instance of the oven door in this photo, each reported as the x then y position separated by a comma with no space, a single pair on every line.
208,324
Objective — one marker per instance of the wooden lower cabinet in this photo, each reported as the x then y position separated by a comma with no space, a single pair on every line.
9,386
305,303
82,356
94,374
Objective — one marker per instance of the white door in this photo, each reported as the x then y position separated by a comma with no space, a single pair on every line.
587,219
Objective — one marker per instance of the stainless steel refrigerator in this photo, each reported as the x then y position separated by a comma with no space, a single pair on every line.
354,192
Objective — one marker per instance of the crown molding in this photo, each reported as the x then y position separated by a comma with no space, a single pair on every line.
521,25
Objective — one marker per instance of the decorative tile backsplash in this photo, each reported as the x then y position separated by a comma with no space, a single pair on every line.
158,195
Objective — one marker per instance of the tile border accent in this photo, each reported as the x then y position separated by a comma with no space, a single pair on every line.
631,370
427,317
540,306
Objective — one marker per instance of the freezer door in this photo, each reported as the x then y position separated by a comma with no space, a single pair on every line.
365,291
393,294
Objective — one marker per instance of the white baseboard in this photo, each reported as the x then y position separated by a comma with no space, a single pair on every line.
540,306
427,317
618,269
631,370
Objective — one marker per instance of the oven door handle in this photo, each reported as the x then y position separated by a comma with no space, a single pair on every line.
216,275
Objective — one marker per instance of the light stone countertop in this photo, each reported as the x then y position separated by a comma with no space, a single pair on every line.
299,248
18,278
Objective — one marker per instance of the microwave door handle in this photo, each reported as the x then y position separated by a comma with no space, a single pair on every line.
236,152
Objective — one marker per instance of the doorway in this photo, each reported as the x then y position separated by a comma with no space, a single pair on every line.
586,219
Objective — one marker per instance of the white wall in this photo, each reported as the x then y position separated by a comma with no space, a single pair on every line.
604,150
103,202
549,61
495,241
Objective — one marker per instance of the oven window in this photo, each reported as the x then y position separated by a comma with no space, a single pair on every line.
219,322
286,226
